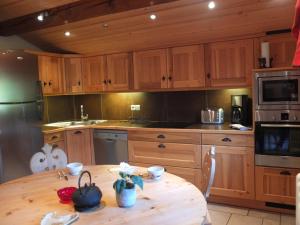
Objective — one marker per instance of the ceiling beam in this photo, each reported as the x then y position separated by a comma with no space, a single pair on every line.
83,9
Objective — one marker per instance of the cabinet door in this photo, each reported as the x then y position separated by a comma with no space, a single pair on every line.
231,63
234,176
187,67
73,75
93,71
118,69
276,184
282,49
51,74
189,174
79,146
150,69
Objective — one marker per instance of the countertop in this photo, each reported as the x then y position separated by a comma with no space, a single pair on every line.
144,125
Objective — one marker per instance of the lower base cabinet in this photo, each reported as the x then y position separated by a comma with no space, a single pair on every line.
276,185
57,140
234,176
79,147
191,175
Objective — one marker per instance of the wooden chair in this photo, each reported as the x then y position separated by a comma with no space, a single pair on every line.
208,171
52,157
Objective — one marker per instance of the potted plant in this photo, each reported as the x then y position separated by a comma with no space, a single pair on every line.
125,189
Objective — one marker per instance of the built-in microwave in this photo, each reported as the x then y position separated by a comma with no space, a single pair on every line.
278,90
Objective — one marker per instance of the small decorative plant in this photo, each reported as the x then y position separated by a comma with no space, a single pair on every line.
125,189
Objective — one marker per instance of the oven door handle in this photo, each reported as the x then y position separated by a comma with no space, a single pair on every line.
280,125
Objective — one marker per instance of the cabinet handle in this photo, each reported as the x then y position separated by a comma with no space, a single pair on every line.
53,137
161,136
109,81
226,139
79,83
78,132
54,146
161,146
170,78
285,172
163,78
105,82
45,83
50,83
208,75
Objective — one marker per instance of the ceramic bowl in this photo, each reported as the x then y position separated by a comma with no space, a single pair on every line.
75,168
155,172
65,194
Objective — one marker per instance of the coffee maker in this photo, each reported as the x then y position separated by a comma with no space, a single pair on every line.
240,109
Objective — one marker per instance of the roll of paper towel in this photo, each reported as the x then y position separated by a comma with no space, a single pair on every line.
265,52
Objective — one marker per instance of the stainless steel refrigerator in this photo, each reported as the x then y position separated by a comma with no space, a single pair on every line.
21,112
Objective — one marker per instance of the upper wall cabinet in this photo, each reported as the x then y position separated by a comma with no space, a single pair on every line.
187,67
282,49
73,74
230,63
150,69
119,69
51,74
94,72
180,67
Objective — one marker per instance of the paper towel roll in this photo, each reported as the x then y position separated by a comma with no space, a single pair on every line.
265,52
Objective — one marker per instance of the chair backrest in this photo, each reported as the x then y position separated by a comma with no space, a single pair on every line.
52,157
208,170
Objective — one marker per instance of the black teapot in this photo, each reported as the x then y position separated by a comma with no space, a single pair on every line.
86,197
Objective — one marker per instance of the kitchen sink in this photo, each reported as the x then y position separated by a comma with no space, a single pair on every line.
75,123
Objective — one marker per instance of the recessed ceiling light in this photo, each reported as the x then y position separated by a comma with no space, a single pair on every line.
211,5
67,33
40,17
153,17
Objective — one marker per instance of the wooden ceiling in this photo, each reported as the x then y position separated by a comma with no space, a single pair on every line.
178,23
15,8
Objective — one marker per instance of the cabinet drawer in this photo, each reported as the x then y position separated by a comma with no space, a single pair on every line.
276,184
54,137
162,136
189,174
170,154
228,140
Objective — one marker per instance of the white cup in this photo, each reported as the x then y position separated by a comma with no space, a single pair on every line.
75,168
155,172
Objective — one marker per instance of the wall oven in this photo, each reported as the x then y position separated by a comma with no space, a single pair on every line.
277,90
276,101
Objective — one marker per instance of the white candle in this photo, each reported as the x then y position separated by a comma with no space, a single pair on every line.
265,52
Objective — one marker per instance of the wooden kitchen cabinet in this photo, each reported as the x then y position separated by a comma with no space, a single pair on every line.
189,174
94,73
56,139
119,69
234,176
73,74
150,69
187,67
276,185
51,74
79,146
282,49
230,63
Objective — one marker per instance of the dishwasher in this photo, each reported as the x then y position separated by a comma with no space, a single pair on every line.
110,146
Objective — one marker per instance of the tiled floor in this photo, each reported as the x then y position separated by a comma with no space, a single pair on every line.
227,215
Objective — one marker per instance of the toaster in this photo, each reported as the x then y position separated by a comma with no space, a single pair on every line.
211,116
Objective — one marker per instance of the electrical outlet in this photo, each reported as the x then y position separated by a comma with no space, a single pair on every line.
135,107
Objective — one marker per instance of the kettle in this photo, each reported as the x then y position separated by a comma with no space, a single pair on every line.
86,197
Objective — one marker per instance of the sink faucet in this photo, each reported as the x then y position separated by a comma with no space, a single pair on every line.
83,117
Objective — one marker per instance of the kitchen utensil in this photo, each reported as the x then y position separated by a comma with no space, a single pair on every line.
75,168
211,116
88,196
64,175
65,194
155,172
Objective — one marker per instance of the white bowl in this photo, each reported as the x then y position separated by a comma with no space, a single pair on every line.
75,168
155,172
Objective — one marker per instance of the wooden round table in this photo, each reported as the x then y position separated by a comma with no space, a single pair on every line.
170,200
